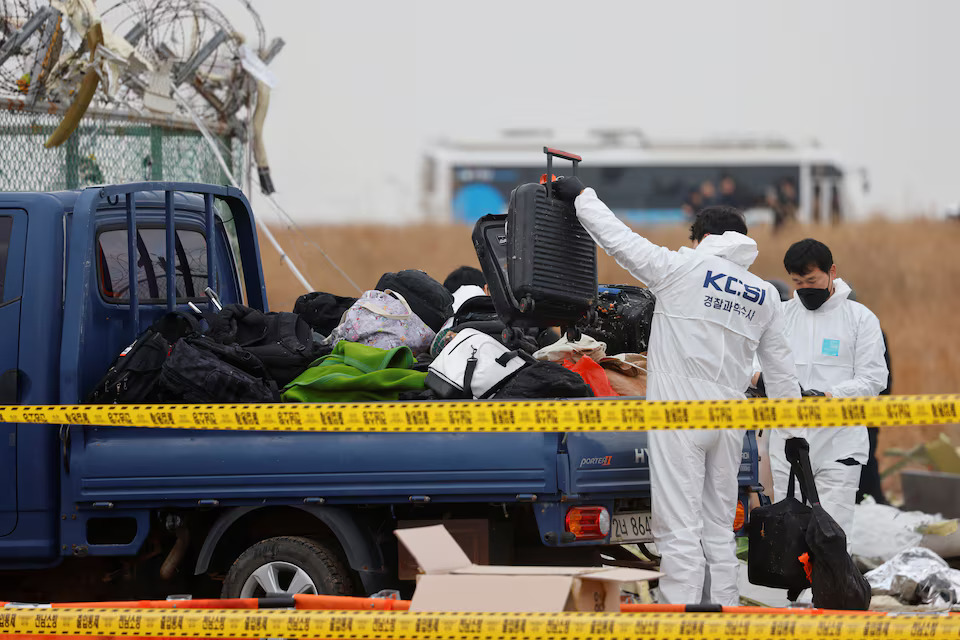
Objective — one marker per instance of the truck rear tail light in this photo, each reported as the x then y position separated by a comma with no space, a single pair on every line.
588,523
741,518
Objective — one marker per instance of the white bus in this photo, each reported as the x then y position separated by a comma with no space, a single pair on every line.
644,182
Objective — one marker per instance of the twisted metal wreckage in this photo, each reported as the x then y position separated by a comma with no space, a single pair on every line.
177,59
179,63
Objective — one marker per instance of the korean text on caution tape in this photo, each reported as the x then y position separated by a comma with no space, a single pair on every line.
206,623
506,416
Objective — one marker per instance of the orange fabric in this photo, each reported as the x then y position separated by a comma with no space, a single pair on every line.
594,375
807,566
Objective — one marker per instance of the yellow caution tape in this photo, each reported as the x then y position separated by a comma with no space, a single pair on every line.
507,416
278,623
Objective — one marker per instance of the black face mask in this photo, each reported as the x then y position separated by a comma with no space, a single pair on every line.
813,299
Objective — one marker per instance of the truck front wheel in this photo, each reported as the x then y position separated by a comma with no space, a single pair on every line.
286,566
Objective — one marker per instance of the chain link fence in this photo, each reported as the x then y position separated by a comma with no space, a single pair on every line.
105,149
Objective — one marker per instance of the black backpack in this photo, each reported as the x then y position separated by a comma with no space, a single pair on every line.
283,341
322,311
429,299
203,371
133,375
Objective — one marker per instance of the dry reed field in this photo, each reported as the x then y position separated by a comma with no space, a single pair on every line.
903,271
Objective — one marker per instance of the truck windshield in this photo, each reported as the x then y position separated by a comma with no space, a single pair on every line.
190,268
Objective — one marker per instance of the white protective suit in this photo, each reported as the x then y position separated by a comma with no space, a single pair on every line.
711,317
837,348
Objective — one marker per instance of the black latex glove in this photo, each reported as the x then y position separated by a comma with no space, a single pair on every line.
807,393
761,388
567,188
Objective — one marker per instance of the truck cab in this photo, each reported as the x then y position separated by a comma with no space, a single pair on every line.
104,512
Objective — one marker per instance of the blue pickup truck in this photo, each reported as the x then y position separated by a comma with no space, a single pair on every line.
121,512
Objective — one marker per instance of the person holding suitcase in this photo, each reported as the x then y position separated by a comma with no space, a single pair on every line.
711,317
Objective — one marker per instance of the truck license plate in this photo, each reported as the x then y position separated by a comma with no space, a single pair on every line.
631,527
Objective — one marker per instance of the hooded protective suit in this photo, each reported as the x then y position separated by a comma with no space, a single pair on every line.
837,348
711,317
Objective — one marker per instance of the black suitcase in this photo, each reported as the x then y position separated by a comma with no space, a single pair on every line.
539,262
552,270
624,318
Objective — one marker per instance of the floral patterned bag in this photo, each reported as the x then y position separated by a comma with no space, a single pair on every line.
383,319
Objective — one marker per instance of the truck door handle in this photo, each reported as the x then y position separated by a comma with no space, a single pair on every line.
65,447
10,386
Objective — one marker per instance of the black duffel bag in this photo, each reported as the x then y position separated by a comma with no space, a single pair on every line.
783,532
777,532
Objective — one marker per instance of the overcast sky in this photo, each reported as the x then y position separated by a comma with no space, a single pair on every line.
364,85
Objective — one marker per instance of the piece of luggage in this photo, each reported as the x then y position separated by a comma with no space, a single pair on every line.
544,380
203,371
777,532
282,341
624,318
472,365
480,313
552,270
322,311
133,375
383,319
429,299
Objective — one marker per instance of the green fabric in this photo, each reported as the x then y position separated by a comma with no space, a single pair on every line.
356,373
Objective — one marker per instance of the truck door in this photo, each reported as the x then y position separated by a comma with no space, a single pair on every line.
13,239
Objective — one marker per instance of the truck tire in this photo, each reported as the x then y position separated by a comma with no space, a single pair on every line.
287,565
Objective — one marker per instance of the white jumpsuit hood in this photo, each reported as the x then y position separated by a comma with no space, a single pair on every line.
735,247
838,348
711,317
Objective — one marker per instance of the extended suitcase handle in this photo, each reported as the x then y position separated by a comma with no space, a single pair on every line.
551,153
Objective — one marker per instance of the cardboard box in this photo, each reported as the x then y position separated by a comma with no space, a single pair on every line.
450,582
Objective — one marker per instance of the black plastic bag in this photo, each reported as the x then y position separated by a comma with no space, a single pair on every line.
837,583
544,380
